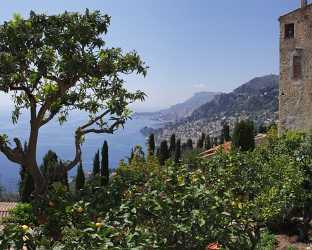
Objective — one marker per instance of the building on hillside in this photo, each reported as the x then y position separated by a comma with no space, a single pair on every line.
295,86
5,208
226,147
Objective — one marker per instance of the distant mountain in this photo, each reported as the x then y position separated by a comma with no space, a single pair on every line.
256,100
184,109
256,97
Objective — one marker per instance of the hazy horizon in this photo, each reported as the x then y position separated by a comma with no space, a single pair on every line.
190,46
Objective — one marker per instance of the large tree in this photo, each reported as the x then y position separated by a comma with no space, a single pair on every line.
52,65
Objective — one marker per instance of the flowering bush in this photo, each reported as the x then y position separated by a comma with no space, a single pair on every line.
228,199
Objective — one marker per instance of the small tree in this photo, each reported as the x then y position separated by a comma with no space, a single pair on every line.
172,145
130,158
163,153
215,141
244,135
80,178
226,133
151,144
52,169
207,143
177,155
96,164
262,129
104,164
189,144
201,140
53,64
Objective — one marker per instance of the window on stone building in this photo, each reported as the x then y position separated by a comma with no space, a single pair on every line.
297,67
289,30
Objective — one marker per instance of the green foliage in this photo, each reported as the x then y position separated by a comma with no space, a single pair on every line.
172,144
70,45
189,144
80,178
54,64
96,164
164,153
138,154
207,143
267,242
52,169
232,198
225,133
104,164
244,135
201,141
177,154
151,144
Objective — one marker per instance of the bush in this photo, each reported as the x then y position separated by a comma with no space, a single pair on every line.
229,198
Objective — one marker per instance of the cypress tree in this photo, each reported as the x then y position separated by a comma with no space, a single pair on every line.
104,164
262,129
64,174
96,164
151,144
172,145
177,155
189,144
244,135
53,169
225,133
138,153
207,143
163,153
80,178
201,140
131,156
215,141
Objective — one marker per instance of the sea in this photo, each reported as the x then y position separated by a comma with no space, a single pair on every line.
60,139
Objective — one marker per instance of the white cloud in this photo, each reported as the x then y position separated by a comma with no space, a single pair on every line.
200,86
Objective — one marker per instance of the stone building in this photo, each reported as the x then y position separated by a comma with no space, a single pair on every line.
295,97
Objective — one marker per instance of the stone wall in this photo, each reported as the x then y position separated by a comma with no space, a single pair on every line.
295,97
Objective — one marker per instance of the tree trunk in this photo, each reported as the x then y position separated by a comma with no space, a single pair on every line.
31,161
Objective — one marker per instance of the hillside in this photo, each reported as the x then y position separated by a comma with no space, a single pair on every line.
184,109
256,99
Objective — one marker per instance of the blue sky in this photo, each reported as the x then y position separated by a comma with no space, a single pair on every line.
190,45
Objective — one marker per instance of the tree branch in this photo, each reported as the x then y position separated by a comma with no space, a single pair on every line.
91,122
49,118
76,160
108,130
80,133
15,155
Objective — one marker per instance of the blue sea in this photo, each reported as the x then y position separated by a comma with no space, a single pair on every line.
61,140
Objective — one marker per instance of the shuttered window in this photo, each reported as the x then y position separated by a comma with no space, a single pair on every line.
289,30
297,67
